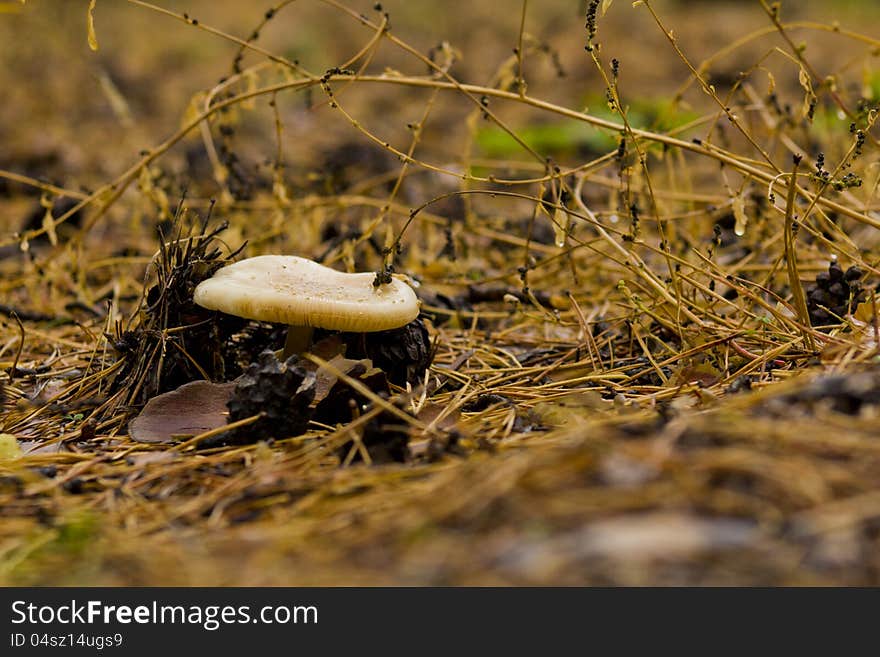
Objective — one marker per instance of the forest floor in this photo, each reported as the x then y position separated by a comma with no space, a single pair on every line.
647,271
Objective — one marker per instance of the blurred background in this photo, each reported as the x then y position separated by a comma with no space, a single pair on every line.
81,117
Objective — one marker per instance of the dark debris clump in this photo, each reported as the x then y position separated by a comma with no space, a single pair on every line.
339,403
834,294
386,439
403,354
842,393
282,392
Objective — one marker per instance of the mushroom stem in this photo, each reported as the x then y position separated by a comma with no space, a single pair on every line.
299,338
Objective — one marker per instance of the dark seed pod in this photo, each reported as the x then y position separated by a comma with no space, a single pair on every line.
282,392
834,294
839,289
820,296
835,273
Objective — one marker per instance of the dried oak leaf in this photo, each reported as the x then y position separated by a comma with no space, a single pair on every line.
191,409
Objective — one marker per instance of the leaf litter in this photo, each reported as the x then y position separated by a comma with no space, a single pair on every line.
616,400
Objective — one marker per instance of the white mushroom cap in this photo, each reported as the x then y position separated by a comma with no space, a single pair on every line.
299,292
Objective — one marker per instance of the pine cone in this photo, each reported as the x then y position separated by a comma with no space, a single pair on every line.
403,354
281,391
834,294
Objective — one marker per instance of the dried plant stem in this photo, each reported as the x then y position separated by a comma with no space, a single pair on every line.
797,291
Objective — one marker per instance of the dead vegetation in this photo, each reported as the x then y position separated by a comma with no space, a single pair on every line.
648,285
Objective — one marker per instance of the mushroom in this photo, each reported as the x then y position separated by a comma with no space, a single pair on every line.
306,295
